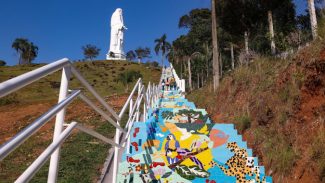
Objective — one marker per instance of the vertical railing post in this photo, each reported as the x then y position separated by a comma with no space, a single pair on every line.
59,121
116,149
130,117
144,112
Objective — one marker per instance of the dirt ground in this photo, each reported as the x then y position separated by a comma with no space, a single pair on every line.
15,117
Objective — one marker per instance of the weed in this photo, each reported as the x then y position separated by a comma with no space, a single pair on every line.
317,152
279,153
10,99
243,122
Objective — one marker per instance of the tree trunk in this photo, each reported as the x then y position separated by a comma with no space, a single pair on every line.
189,73
162,60
198,81
313,19
207,61
215,62
181,70
220,61
232,56
246,42
202,80
270,20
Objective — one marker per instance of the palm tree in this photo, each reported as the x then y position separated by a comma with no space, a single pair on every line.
31,53
215,63
27,50
189,68
162,46
20,45
90,51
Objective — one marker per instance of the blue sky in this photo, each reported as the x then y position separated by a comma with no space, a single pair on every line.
61,27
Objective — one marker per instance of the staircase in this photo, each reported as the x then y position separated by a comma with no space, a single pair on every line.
179,143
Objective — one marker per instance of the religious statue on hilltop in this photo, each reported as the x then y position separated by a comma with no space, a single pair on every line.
117,36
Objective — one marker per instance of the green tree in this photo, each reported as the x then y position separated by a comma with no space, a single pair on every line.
163,46
130,55
2,63
90,51
27,50
142,53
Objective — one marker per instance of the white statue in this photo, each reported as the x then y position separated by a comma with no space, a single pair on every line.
117,36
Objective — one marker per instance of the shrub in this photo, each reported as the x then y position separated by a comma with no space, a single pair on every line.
10,99
2,63
243,122
279,153
317,152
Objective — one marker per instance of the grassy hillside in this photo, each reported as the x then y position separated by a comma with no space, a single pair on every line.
82,156
103,75
279,107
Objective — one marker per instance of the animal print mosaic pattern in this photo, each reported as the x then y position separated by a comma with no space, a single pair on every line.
179,144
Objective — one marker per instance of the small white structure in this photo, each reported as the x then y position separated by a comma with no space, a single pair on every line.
116,51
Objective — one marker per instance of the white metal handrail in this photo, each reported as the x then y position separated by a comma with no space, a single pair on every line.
18,139
150,96
180,82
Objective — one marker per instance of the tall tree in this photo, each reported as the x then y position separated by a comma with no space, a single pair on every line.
215,61
163,46
142,53
90,51
130,55
313,18
27,50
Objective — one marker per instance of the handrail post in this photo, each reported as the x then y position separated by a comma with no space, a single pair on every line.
116,153
130,116
54,163
144,113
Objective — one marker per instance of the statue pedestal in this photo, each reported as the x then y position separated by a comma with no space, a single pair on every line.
115,57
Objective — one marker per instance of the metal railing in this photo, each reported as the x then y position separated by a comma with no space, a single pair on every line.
180,82
66,96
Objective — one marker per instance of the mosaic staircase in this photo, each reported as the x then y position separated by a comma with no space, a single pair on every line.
179,143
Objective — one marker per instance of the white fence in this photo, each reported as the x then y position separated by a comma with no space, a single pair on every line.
180,82
147,97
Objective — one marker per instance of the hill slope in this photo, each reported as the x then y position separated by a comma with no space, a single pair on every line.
82,156
279,105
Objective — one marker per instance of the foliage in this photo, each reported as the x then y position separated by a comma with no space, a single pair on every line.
128,77
90,51
279,153
163,46
27,50
317,151
243,122
142,53
153,64
130,55
10,99
2,63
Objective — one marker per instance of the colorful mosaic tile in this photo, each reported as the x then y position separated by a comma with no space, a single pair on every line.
179,143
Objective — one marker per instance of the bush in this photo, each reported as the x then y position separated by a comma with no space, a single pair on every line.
317,152
279,153
10,99
2,63
243,122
